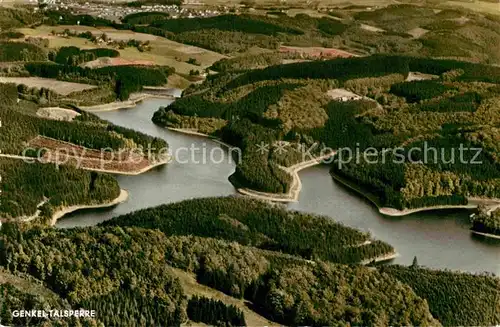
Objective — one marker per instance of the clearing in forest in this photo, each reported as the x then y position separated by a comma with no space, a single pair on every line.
192,287
124,161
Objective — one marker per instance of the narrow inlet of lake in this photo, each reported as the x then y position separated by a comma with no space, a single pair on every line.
439,239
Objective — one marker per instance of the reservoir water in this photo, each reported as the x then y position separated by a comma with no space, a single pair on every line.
439,239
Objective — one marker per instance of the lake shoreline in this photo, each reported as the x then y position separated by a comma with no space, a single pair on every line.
60,213
196,133
291,196
488,235
474,202
127,104
122,197
382,258
293,193
417,235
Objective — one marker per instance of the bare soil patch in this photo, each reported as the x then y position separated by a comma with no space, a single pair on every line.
418,32
371,28
416,76
106,61
343,95
462,20
57,113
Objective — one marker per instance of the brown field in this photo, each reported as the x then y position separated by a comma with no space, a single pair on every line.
317,52
64,153
60,87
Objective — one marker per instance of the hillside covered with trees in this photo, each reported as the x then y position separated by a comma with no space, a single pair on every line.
255,223
24,192
297,104
487,221
29,185
111,277
453,297
124,79
108,275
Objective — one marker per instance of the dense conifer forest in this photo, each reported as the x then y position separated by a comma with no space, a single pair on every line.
88,131
24,191
31,186
255,223
214,312
74,56
487,221
127,79
113,278
143,18
126,269
108,278
452,295
20,51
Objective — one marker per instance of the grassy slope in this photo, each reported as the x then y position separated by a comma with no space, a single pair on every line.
29,286
192,287
163,52
479,6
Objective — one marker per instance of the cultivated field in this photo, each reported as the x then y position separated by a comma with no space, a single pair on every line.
480,6
317,52
345,95
60,87
416,76
163,51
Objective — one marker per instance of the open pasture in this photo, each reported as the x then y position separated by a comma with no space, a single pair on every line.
60,87
163,51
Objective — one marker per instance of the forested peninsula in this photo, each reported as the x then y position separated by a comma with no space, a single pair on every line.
487,222
304,106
